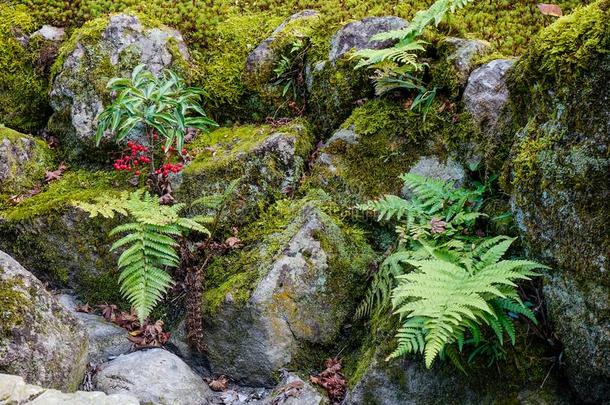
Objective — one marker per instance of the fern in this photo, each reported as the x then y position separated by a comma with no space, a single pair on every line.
148,243
447,298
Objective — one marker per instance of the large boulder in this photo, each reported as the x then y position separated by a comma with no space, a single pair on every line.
13,390
106,339
39,340
456,60
333,85
558,177
153,376
266,161
23,162
72,250
357,35
382,140
286,294
104,48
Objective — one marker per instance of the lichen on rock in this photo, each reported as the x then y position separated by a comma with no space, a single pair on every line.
284,297
39,340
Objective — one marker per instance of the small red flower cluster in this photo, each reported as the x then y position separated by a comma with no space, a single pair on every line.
136,156
168,168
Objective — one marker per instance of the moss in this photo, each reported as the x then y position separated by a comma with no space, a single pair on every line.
266,171
76,185
23,99
27,174
390,139
13,305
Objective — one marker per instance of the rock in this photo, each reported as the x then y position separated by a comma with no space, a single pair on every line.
14,390
290,288
23,162
432,167
456,61
559,164
357,35
381,141
50,33
106,340
262,58
334,87
267,161
292,390
104,48
72,250
153,376
408,381
486,93
39,340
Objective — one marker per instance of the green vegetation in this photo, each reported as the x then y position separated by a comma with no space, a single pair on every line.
446,282
149,244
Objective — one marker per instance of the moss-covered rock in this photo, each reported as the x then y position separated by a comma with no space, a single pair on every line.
104,48
456,59
267,160
382,140
281,301
61,244
23,162
558,176
23,86
39,340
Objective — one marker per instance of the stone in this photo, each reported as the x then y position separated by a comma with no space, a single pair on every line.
432,167
39,340
268,162
289,288
456,62
557,176
292,390
357,35
153,376
102,49
23,162
50,33
334,87
72,249
13,390
106,340
486,93
264,56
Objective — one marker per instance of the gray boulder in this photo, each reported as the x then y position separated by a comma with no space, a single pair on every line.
292,287
432,167
153,376
13,390
102,49
50,33
456,61
357,35
39,340
267,52
106,340
486,93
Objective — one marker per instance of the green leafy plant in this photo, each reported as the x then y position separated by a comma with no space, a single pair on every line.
148,243
163,108
289,69
397,66
447,283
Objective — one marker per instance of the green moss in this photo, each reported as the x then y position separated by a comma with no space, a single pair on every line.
23,99
13,305
76,185
24,176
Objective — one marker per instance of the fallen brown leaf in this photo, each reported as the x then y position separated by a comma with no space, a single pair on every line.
550,9
83,308
55,174
219,384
